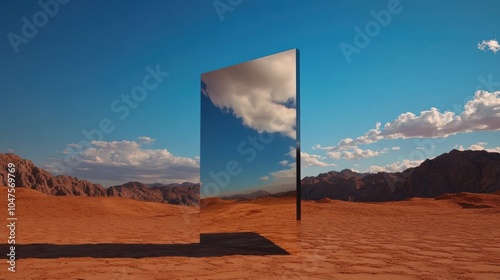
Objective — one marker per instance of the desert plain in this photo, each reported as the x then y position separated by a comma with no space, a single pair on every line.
67,237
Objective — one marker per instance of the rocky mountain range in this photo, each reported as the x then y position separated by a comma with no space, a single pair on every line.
30,176
453,172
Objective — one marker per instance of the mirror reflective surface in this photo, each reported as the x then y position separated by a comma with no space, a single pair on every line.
250,154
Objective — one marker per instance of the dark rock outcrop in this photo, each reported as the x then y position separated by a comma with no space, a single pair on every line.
457,171
30,176
454,172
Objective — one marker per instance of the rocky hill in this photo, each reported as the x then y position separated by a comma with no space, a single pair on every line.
30,176
180,194
453,172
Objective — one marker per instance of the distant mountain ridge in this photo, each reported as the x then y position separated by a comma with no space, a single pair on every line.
180,194
259,194
30,176
247,196
453,172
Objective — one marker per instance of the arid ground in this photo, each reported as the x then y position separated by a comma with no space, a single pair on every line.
457,237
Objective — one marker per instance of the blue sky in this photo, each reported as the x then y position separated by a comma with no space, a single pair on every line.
65,77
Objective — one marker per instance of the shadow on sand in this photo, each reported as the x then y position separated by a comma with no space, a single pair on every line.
211,245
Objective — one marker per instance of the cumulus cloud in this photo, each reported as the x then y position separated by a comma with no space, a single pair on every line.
395,167
307,160
479,146
117,162
479,114
491,45
357,153
260,92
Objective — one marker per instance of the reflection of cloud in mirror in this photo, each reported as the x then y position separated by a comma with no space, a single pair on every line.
283,179
260,92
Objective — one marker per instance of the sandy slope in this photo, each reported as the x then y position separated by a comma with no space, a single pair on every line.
415,239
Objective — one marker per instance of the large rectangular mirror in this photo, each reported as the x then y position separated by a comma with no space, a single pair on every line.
250,154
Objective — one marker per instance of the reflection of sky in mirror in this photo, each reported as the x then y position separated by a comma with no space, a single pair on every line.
248,116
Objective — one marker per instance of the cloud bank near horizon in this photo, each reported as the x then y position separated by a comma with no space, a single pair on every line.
479,114
118,162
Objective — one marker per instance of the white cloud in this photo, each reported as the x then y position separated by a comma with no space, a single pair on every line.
123,161
360,153
357,153
491,45
260,92
284,162
292,153
307,160
285,174
335,154
265,178
395,167
145,140
482,113
282,180
479,146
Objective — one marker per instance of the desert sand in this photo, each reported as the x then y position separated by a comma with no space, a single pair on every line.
115,238
271,218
